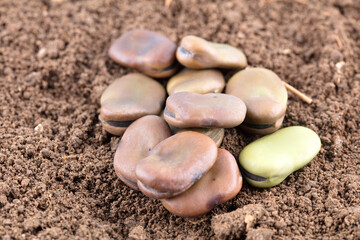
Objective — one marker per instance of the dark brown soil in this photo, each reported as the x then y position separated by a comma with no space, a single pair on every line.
56,174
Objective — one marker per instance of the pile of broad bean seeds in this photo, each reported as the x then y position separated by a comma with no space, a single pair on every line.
173,153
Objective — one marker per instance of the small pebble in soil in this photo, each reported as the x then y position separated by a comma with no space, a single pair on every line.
185,109
146,51
267,161
129,98
175,164
220,184
265,97
136,143
196,81
197,53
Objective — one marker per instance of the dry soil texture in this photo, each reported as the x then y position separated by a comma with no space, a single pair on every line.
56,174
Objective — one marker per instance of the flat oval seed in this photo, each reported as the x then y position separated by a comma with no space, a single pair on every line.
216,134
175,164
197,81
136,143
265,97
220,184
185,109
267,161
129,98
197,53
149,52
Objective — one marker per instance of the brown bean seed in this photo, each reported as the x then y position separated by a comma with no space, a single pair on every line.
185,109
197,81
220,184
265,97
197,53
136,143
148,52
216,134
175,164
129,98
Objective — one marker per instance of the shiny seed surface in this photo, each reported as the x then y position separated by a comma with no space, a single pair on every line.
136,143
197,53
267,161
197,81
220,184
265,97
148,52
129,98
216,134
175,164
185,109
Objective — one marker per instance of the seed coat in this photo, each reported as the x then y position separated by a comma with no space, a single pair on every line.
265,97
149,52
175,164
196,81
197,53
136,143
129,98
220,184
185,109
270,159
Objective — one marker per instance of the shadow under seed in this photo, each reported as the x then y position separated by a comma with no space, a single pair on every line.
257,126
129,181
173,65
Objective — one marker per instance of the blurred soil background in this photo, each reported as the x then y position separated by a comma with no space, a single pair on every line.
56,173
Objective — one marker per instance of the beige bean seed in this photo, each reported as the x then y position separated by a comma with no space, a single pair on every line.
148,52
136,143
185,109
216,134
175,164
265,97
197,53
220,184
129,98
197,81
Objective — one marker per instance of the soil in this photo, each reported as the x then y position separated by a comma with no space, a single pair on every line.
56,173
